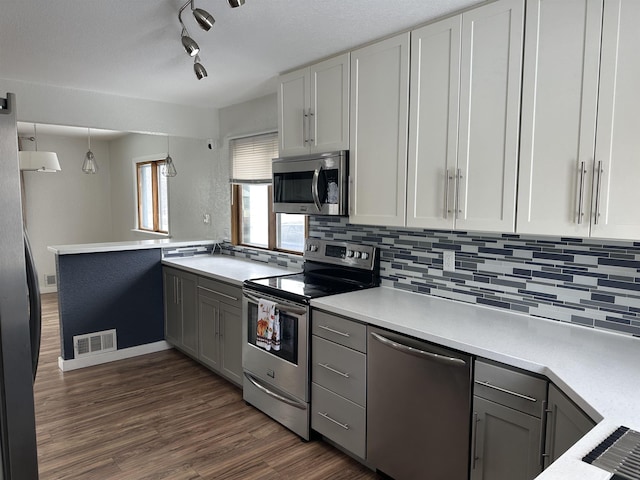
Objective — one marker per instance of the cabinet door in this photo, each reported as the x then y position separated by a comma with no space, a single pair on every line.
491,69
506,443
189,309
293,110
208,315
329,114
231,342
617,170
566,424
559,105
433,132
378,132
172,313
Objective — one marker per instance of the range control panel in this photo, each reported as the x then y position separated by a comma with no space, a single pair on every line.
340,253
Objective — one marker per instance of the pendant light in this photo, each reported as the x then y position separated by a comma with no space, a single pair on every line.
199,69
169,169
89,165
35,161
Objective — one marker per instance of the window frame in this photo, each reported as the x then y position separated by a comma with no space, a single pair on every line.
156,169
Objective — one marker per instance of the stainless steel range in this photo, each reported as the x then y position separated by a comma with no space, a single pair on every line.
276,367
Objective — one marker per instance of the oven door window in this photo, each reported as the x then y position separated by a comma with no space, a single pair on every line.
288,334
295,187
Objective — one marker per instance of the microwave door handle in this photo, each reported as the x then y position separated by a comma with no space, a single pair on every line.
314,189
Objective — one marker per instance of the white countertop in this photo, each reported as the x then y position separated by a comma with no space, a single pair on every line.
226,268
123,246
599,371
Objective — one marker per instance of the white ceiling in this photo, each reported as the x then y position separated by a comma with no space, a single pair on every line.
132,48
27,130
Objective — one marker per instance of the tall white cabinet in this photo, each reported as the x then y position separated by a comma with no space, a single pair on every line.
465,108
579,165
313,108
378,132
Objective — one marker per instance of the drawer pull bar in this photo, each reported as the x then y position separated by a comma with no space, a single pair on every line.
337,332
331,369
504,390
343,425
436,357
235,299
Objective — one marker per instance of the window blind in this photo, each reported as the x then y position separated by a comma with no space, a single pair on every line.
251,158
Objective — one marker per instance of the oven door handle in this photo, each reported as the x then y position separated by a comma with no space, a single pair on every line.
285,307
275,395
314,189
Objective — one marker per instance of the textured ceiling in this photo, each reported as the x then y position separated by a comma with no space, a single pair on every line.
133,48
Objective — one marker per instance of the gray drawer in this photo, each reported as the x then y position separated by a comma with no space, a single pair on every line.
338,419
507,387
339,369
340,330
224,292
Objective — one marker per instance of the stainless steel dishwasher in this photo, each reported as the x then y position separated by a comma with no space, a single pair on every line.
418,408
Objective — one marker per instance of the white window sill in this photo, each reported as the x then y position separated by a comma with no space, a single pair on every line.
152,234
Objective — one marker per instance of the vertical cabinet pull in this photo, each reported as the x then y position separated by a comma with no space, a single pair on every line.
474,441
447,181
583,172
305,118
311,129
546,414
600,171
458,177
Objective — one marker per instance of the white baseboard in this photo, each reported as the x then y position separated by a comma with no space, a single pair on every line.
91,360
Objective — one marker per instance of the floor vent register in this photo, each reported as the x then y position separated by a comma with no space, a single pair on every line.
619,454
94,343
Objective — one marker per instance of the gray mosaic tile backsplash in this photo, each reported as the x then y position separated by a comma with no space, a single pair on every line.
265,256
595,283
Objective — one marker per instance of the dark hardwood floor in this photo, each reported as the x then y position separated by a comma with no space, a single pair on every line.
162,416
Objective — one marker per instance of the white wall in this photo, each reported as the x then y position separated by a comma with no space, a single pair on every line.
67,207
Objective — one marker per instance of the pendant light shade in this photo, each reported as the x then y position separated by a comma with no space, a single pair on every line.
236,3
190,45
204,18
169,169
35,161
89,165
199,69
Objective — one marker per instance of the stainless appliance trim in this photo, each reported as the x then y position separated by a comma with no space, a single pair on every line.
277,396
452,361
504,390
280,304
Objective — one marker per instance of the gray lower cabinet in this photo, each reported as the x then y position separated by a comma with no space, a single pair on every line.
180,306
566,424
338,375
507,427
220,322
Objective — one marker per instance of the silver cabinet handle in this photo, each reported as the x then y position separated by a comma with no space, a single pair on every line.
230,297
504,390
598,192
314,189
331,369
583,172
273,394
474,441
543,433
343,425
453,361
458,177
337,332
282,306
305,118
311,130
447,181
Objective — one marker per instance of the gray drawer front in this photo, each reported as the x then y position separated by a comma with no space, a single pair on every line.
225,293
339,369
340,330
339,420
517,390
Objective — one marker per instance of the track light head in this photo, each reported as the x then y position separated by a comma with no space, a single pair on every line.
236,3
204,18
190,45
199,69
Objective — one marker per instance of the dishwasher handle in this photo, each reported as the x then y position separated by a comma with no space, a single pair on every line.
451,361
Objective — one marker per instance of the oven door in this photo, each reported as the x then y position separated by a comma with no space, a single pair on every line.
288,368
315,186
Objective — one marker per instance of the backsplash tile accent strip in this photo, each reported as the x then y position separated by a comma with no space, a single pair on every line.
595,283
177,252
266,256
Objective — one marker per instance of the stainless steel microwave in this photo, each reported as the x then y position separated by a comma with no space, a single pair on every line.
311,184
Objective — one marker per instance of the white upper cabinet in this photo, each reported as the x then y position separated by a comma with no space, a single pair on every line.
313,108
465,109
579,166
378,132
616,202
559,107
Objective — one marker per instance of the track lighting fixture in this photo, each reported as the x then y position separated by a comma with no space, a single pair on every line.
200,71
89,165
206,21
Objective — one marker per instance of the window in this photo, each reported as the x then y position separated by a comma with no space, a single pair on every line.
253,221
153,201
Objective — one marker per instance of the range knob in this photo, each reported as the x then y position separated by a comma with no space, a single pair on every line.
364,255
313,248
356,254
349,253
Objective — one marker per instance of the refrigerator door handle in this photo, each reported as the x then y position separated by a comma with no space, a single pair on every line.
35,307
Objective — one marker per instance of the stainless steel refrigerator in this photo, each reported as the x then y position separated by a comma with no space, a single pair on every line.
19,314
